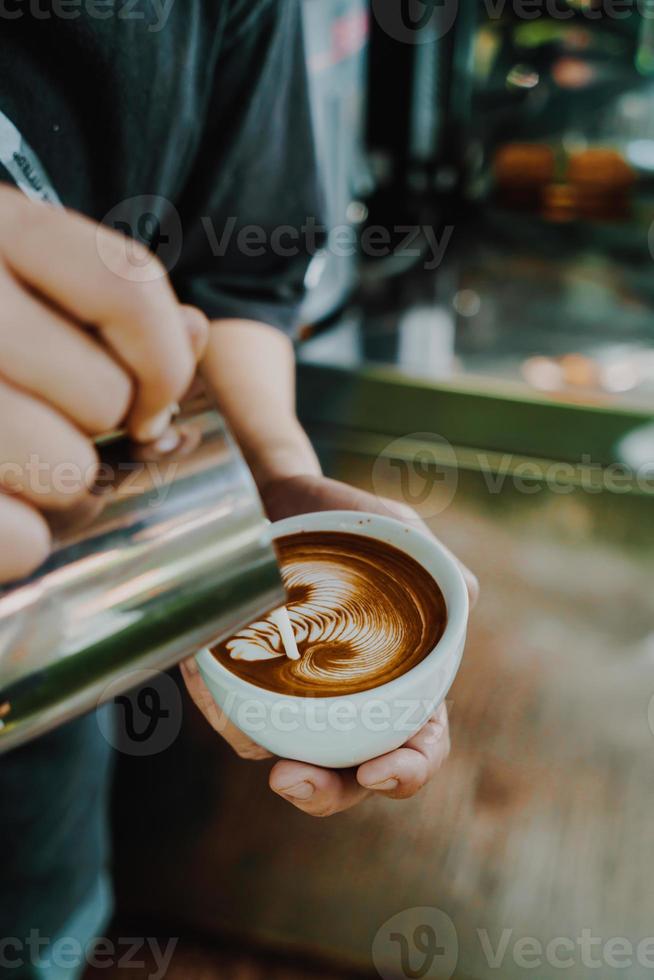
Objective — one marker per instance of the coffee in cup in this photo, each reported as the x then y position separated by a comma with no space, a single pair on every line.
362,612
379,611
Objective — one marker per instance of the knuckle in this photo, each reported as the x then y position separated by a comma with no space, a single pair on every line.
37,544
125,257
434,731
170,377
27,540
195,317
109,411
140,255
134,301
164,360
416,775
403,511
73,476
157,271
197,327
89,464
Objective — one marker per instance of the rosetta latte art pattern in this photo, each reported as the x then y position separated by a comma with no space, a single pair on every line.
362,611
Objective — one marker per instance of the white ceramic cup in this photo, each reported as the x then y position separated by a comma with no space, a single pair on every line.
347,730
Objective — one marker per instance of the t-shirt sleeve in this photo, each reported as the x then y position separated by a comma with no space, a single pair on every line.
251,213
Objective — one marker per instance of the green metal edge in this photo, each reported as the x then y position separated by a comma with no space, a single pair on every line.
383,401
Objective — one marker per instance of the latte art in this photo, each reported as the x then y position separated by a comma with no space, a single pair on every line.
362,612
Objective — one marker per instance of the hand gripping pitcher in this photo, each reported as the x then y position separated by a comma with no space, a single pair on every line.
173,554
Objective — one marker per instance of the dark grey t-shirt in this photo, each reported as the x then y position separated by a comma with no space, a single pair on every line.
183,122
201,119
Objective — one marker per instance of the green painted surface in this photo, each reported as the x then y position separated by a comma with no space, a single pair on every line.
382,401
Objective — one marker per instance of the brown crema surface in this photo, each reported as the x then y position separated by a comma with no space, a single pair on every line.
363,613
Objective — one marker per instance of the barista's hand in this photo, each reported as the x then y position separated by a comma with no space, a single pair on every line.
91,337
306,494
316,791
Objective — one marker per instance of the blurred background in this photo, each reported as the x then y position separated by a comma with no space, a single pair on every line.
479,342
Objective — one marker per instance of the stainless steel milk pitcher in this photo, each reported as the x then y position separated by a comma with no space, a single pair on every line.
176,556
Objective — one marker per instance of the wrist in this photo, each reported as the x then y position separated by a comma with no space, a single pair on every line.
250,368
285,454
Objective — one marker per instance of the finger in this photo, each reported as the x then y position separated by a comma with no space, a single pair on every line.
302,495
318,792
108,281
44,459
241,743
472,584
25,539
405,513
197,327
74,519
59,362
402,773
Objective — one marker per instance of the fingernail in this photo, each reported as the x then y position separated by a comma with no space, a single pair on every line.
386,786
301,791
154,428
168,442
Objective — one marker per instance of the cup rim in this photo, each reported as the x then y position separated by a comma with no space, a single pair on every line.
455,593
